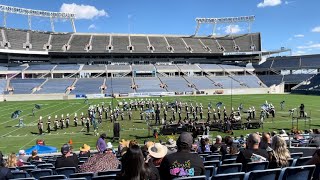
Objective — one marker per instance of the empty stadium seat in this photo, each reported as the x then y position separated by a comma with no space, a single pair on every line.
302,161
52,177
45,166
296,155
209,171
109,177
109,172
66,171
229,168
212,163
251,166
40,173
263,174
19,174
297,173
228,161
87,175
230,176
213,157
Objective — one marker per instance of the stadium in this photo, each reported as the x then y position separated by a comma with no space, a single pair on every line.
72,87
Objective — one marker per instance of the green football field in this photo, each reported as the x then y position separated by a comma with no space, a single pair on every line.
14,138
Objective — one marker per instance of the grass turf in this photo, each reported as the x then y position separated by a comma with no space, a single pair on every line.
13,138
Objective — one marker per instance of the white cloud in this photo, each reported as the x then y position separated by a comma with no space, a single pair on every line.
311,46
232,29
266,3
92,26
299,36
83,11
316,29
299,53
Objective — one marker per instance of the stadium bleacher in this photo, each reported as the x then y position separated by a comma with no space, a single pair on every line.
120,44
166,68
210,67
79,43
67,67
148,84
250,81
177,44
176,84
3,84
195,44
119,85
24,86
159,43
38,40
16,38
58,41
227,42
53,86
270,80
140,44
200,82
99,43
188,67
37,67
88,86
292,63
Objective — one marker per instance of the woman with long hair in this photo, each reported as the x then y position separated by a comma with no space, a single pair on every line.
280,154
5,173
229,147
133,167
12,160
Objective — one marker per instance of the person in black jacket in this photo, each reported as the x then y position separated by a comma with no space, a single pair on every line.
5,173
68,159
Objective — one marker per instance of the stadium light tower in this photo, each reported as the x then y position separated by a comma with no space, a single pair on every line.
31,12
224,20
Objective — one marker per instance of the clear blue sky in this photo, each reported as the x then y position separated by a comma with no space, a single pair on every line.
293,24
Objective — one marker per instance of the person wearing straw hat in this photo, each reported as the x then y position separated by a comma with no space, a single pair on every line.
156,153
84,151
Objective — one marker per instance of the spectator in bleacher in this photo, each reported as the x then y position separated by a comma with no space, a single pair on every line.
109,148
171,145
12,161
204,146
101,143
265,142
5,173
284,135
156,153
133,167
315,158
68,159
216,146
34,156
228,147
22,158
279,156
84,151
182,163
100,162
252,153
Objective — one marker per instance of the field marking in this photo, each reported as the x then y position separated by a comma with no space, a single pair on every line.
28,143
30,113
45,116
19,108
36,120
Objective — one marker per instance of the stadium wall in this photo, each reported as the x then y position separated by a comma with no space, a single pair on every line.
277,89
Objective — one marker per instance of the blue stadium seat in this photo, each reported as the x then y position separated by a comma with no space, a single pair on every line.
263,174
40,173
230,176
302,161
316,173
110,172
193,177
53,177
229,161
229,168
87,175
211,163
110,177
66,171
26,167
46,166
297,173
210,171
213,158
251,166
19,174
28,178
37,162
230,156
296,155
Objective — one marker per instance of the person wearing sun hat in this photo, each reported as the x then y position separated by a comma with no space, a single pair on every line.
84,151
157,152
171,145
182,163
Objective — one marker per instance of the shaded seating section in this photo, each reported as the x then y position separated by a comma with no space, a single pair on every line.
118,68
66,171
140,44
270,80
120,44
143,68
159,44
167,68
38,40
24,86
250,81
231,67
227,42
79,43
94,68
148,84
229,168
296,78
176,84
55,86
244,42
188,67
99,43
16,68
88,86
195,45
310,62
177,44
119,85
289,63
314,82
44,67
200,82
40,173
211,44
263,66
58,41
16,38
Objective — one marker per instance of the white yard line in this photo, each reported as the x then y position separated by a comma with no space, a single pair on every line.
30,113
28,143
